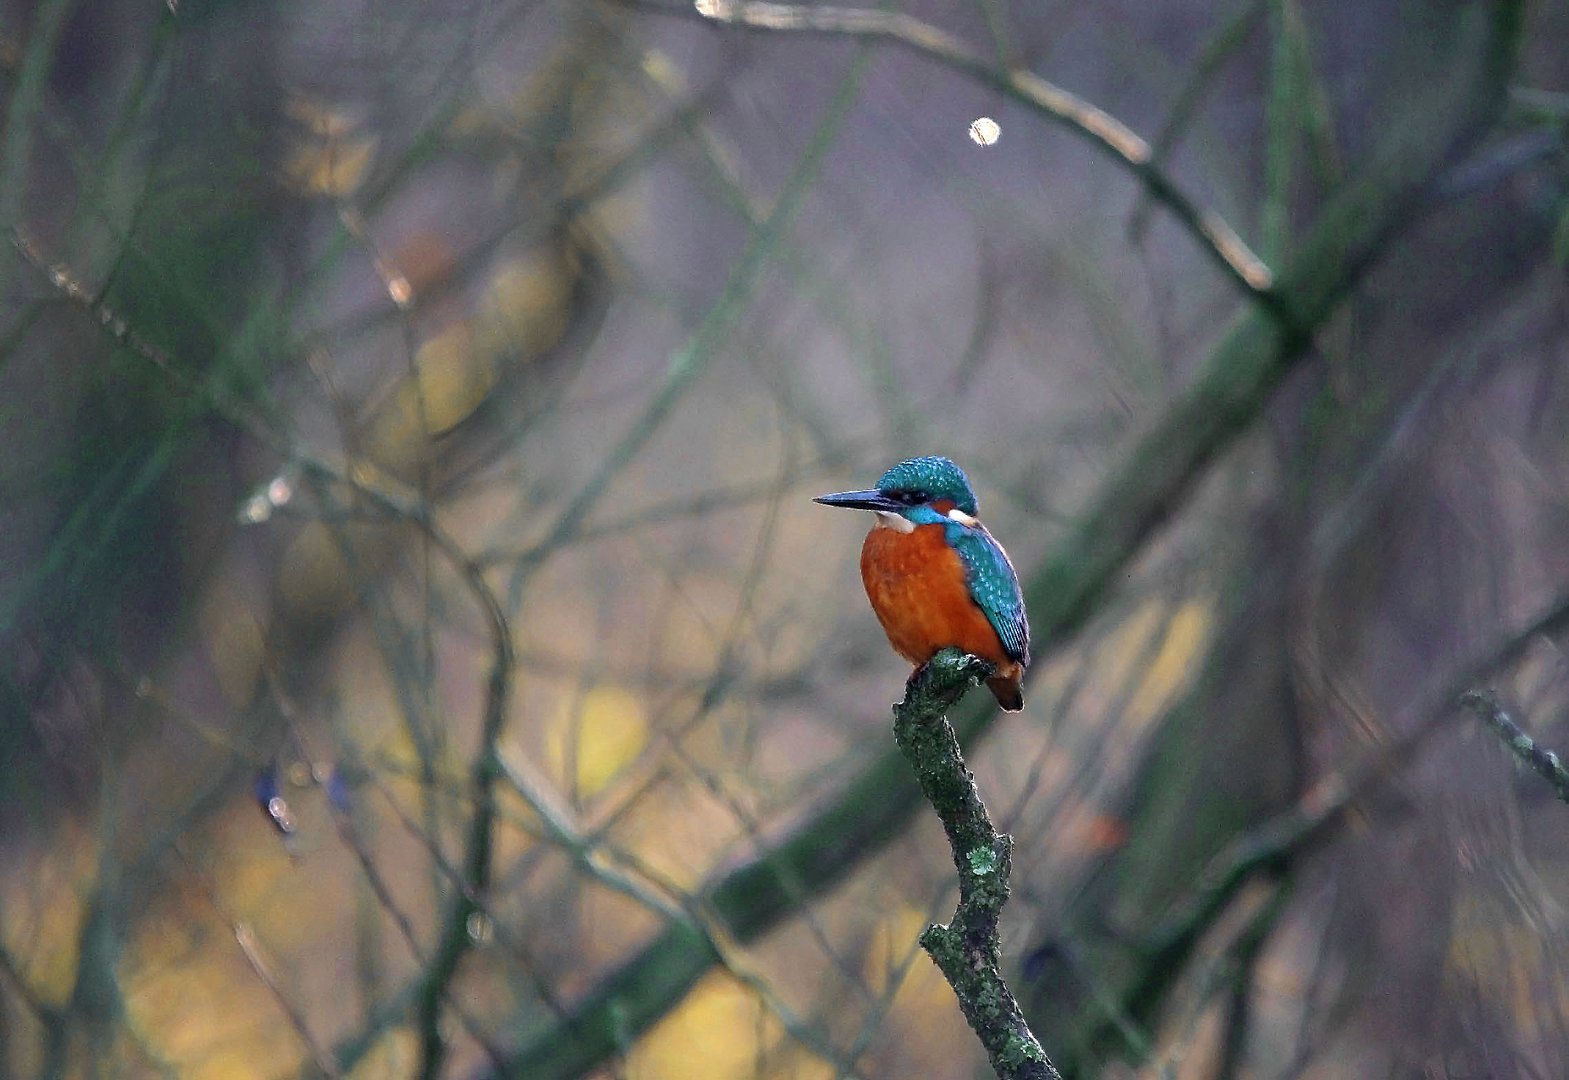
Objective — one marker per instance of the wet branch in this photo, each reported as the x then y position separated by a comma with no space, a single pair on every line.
967,950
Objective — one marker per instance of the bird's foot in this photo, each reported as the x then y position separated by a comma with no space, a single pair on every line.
949,675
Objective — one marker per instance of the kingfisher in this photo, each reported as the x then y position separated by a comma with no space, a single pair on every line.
936,577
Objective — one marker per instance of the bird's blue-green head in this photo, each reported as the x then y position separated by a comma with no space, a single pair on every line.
921,490
928,480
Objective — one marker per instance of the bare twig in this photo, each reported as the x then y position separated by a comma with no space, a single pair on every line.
456,934
1217,238
1226,40
26,96
250,948
1545,763
584,852
812,1035
1271,847
455,937
692,359
967,950
9,968
252,951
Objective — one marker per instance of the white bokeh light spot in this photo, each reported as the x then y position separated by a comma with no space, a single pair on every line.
984,131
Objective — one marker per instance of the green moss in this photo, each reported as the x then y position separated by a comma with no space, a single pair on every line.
1018,1049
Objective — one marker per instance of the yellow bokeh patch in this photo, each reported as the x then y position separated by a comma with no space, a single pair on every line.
606,734
1175,661
895,955
196,1004
314,576
329,158
451,380
527,304
713,1033
925,1022
454,379
41,913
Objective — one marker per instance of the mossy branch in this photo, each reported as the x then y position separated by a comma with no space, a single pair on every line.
1545,763
967,951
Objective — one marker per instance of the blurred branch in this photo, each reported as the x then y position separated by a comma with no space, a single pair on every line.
1281,131
1539,105
250,948
46,1015
585,853
712,501
1502,161
456,934
588,855
689,361
1003,43
482,927
1217,238
810,1034
1272,846
967,950
814,282
1232,33
1299,126
1545,763
131,859
26,94
343,821
1233,963
872,1021
1267,848
455,938
258,964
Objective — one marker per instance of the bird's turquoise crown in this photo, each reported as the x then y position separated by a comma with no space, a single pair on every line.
927,480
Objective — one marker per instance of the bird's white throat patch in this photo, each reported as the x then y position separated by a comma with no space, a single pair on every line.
896,522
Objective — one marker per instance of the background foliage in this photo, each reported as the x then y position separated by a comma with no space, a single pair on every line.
419,654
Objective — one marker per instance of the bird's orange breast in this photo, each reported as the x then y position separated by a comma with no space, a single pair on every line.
917,587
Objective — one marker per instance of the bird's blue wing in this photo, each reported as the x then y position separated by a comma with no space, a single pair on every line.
994,586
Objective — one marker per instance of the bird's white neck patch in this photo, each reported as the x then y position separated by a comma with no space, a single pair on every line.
962,518
896,522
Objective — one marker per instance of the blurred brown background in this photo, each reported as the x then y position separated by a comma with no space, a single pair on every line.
383,385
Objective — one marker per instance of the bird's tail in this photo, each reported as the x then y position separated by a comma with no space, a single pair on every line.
1007,692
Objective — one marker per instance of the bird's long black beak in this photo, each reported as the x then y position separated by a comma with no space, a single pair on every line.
861,500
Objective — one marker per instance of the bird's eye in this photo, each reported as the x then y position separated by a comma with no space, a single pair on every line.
916,498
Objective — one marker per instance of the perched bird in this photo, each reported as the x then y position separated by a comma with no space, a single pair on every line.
936,577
